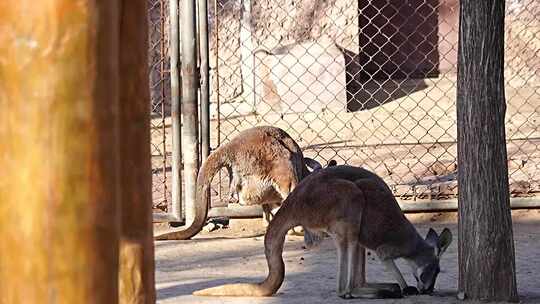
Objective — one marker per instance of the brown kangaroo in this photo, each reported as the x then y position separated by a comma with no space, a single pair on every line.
264,165
358,210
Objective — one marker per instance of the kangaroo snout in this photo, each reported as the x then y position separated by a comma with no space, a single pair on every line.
427,291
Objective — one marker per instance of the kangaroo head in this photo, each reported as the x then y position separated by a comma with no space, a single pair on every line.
427,265
312,164
316,166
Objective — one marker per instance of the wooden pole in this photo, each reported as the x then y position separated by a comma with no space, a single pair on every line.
58,151
486,247
136,278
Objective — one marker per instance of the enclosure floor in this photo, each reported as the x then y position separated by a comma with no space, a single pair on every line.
235,255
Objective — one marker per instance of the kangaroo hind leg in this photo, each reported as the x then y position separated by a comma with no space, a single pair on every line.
349,258
356,286
359,288
343,261
234,186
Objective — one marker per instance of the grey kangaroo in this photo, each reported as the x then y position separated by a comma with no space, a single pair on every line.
358,210
264,163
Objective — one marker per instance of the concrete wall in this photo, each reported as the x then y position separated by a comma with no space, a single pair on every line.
388,39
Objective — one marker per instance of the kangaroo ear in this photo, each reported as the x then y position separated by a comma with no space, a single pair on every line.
313,164
444,240
432,238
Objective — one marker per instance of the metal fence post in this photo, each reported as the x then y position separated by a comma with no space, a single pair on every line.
175,113
204,74
190,140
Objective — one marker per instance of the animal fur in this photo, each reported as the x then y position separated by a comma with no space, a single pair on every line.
359,211
264,163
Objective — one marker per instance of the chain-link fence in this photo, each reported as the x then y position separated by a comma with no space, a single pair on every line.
370,83
158,59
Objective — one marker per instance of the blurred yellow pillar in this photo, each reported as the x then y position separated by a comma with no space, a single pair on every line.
136,242
59,156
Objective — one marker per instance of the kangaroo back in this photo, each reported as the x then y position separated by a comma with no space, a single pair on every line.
383,223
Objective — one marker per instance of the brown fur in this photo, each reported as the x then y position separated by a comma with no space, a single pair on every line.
358,209
265,165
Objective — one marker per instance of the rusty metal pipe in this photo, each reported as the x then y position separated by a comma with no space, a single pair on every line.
190,136
195,217
204,81
176,187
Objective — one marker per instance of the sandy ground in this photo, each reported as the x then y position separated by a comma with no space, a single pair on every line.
235,255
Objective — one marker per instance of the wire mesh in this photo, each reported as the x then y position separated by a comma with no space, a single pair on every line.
158,59
370,83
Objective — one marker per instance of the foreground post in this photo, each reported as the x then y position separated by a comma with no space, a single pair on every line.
136,278
486,246
58,152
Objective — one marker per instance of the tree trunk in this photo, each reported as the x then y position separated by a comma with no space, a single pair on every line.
58,151
486,246
136,278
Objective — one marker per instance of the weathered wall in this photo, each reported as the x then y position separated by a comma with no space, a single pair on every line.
414,39
274,24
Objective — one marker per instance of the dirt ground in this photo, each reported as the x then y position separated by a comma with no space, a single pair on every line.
236,255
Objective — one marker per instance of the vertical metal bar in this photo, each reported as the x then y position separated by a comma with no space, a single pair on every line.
162,102
254,84
247,54
175,112
204,78
216,79
190,140
204,74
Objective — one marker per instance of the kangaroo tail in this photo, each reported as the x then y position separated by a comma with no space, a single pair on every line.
234,290
273,244
209,168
